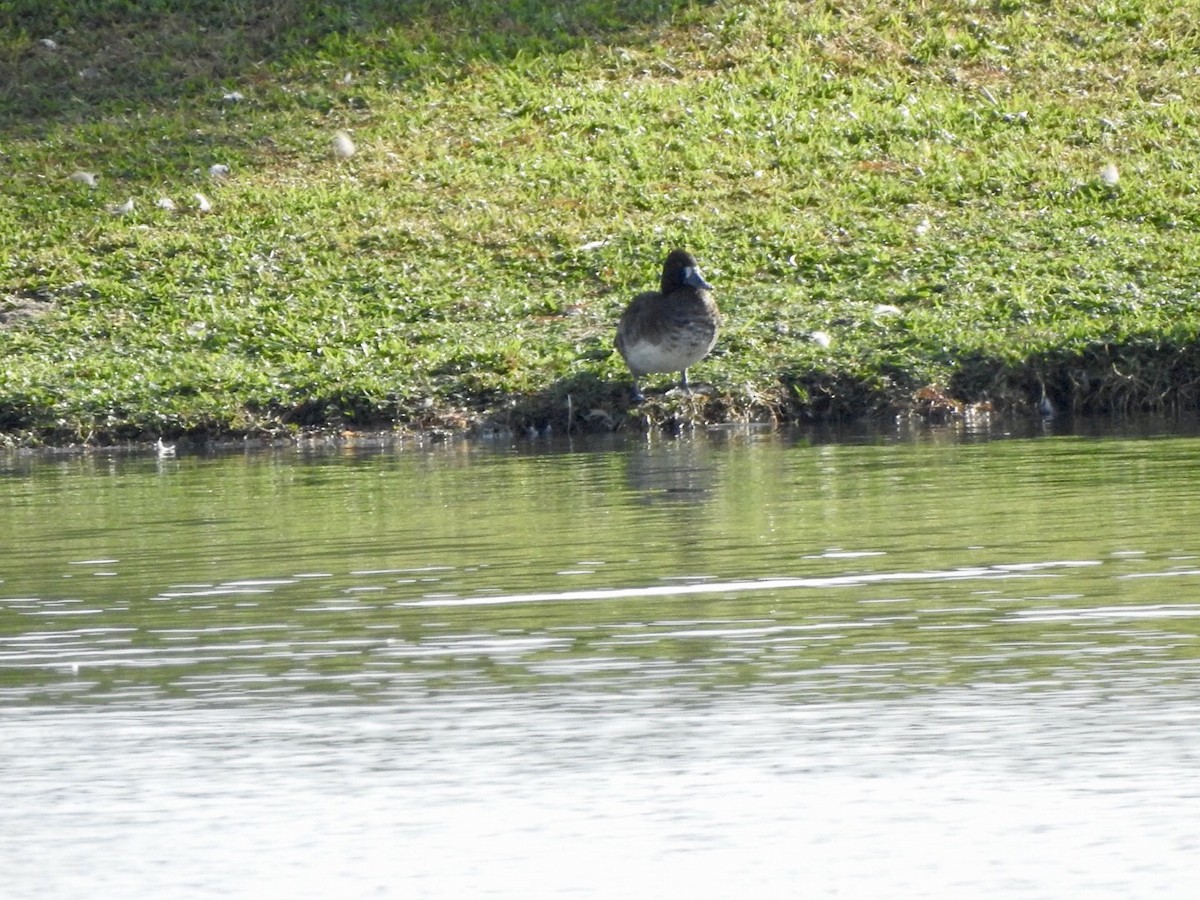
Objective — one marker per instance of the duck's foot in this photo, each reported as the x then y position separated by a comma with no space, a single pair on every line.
690,390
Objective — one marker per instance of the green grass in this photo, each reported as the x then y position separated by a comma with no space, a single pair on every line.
821,159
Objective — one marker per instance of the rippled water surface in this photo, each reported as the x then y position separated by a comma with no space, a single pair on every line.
740,664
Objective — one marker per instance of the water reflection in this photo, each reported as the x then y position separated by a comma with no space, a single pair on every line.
679,472
755,560
678,668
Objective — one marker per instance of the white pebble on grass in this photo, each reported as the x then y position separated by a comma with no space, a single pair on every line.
1110,175
202,203
83,177
343,145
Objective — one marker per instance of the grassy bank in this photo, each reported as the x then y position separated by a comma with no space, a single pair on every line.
902,206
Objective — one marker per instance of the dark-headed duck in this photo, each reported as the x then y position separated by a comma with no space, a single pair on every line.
669,329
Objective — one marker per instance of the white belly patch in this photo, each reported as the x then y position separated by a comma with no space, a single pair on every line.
645,357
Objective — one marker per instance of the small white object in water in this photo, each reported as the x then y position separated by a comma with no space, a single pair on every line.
822,338
219,170
343,146
164,203
124,209
202,203
164,450
83,177
1110,175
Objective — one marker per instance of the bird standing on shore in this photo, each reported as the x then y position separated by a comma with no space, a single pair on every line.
669,329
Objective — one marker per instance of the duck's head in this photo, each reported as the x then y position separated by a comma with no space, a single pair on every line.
681,270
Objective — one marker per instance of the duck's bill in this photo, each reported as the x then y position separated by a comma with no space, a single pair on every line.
693,278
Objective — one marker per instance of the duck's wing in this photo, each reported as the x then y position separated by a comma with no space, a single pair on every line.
638,318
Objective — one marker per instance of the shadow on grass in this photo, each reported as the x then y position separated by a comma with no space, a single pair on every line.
1141,374
815,395
586,403
581,402
63,60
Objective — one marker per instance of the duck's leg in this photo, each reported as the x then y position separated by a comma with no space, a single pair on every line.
683,382
638,396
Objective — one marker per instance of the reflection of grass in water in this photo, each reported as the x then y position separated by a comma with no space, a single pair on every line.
380,529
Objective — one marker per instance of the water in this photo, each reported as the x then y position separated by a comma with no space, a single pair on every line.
742,665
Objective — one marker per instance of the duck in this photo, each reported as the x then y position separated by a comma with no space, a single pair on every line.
672,328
